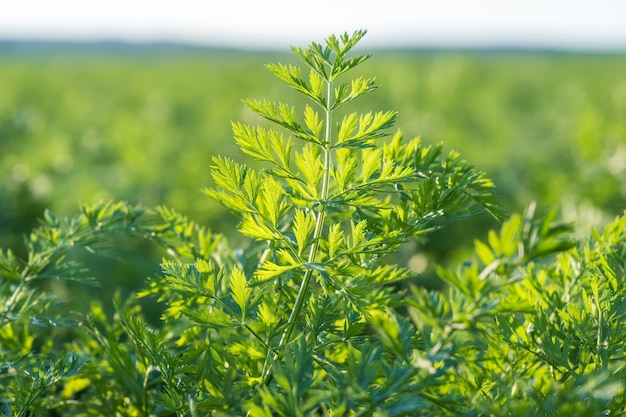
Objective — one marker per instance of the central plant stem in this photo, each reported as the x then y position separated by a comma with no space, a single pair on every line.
317,232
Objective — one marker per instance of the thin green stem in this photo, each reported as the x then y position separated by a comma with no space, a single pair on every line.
241,321
317,232
599,332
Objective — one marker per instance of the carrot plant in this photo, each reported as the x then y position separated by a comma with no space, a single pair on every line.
310,316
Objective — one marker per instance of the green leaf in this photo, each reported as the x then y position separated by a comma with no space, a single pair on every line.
345,169
484,252
317,58
335,238
347,127
317,87
341,47
9,269
390,332
292,76
265,145
358,233
303,225
240,290
282,114
359,86
356,131
272,204
270,270
313,122
209,316
247,350
267,315
256,228
312,168
509,237
198,279
371,161
238,185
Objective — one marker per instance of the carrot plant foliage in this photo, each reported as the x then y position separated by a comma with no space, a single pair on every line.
309,317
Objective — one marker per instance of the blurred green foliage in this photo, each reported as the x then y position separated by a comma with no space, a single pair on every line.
143,126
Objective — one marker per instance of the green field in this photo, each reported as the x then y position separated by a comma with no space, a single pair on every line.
360,280
142,125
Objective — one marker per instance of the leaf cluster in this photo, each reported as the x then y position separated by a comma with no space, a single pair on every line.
308,318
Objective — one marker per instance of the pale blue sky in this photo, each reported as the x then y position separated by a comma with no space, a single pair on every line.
278,23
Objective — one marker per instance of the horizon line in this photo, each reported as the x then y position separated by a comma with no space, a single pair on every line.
114,42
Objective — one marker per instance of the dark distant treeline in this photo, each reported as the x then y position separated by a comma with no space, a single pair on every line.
118,47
